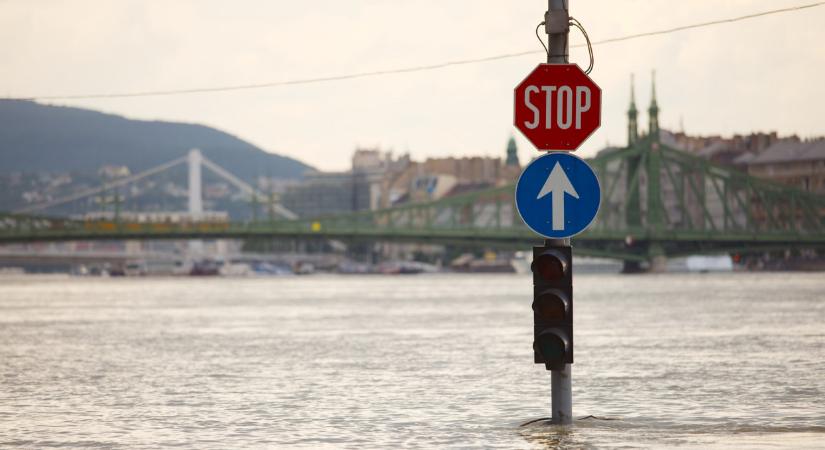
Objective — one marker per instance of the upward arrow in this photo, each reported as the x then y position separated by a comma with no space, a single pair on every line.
557,183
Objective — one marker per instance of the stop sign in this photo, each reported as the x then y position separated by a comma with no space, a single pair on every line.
557,107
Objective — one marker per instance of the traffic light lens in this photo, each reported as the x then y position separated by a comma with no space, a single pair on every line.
549,267
551,348
550,307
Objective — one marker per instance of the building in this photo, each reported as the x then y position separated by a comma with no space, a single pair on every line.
787,160
800,164
367,160
360,188
439,177
321,194
378,180
436,178
374,169
111,172
730,151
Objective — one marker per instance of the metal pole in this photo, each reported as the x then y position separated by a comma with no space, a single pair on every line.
561,381
561,385
557,28
557,25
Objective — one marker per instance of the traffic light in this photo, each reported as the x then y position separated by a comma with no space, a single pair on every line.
553,305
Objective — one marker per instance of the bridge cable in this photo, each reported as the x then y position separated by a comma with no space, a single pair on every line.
92,191
242,185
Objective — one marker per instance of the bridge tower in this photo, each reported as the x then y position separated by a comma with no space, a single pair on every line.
655,214
633,211
195,159
653,110
632,117
644,213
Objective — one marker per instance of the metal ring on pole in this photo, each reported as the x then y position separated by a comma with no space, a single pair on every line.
578,25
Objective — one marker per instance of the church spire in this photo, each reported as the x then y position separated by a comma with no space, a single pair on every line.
632,116
512,153
653,111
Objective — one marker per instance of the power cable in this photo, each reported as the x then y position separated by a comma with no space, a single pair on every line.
420,68
578,25
541,41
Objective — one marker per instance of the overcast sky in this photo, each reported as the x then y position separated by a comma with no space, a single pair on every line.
762,74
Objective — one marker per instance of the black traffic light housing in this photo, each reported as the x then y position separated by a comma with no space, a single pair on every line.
553,305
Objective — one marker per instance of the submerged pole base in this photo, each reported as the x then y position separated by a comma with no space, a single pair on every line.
562,396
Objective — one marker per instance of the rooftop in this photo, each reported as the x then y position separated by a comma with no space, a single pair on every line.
787,151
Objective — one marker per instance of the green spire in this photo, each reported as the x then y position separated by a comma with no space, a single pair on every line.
653,111
512,153
632,116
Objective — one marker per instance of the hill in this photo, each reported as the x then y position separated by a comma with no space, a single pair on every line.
43,138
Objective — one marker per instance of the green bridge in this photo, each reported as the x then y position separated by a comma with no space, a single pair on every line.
657,202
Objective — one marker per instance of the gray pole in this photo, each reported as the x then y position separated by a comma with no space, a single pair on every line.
558,29
561,381
561,385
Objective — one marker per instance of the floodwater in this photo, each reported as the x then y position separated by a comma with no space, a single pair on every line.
435,361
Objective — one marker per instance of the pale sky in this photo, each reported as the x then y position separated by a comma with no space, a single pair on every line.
762,74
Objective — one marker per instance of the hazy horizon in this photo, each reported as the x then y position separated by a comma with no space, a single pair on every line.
732,78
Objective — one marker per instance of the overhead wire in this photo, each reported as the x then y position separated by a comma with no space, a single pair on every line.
419,68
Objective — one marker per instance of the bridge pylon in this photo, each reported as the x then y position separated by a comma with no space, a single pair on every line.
194,161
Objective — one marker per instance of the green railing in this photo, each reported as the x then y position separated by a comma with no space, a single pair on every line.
654,199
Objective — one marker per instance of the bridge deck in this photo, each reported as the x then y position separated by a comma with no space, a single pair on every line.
655,199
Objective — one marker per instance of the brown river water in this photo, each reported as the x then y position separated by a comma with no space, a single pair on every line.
732,360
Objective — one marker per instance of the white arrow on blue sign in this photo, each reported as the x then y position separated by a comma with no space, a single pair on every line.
558,195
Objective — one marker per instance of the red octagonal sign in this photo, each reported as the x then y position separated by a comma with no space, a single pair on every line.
557,107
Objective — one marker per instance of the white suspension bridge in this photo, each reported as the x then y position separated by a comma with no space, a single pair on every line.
195,162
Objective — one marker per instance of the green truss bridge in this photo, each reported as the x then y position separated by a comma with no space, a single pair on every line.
657,202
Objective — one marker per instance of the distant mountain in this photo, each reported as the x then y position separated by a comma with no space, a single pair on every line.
37,138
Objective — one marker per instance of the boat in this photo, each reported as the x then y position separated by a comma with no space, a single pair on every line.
521,263
264,268
206,267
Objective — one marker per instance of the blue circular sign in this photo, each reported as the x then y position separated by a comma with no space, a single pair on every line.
558,195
